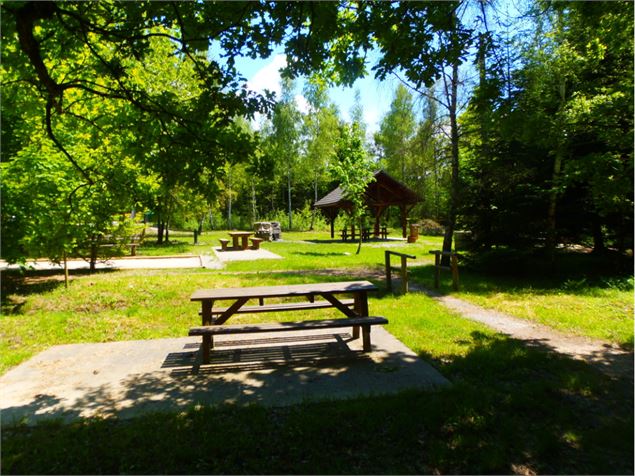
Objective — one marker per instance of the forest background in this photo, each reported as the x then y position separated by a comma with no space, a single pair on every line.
516,129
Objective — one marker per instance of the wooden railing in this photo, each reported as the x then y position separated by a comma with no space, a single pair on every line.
403,270
454,267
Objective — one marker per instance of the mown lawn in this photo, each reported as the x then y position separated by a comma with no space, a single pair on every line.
578,300
510,409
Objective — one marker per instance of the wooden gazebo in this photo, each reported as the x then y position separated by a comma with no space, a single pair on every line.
380,194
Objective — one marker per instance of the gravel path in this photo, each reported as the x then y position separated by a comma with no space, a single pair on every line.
605,356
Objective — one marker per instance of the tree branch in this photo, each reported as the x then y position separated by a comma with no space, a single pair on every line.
49,130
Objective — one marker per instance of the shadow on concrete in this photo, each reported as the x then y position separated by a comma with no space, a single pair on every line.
244,372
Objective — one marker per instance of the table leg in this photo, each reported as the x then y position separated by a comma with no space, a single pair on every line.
366,338
245,242
235,242
361,309
208,342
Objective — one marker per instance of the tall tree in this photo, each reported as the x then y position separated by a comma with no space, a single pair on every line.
284,141
321,126
396,131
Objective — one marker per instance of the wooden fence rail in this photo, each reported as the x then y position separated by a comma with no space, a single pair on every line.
454,267
403,270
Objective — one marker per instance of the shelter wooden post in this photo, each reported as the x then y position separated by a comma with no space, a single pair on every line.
404,216
379,211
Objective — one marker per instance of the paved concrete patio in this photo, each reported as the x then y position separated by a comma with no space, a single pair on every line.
137,262
125,379
244,255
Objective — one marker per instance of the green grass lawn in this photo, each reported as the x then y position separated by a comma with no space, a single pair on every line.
511,408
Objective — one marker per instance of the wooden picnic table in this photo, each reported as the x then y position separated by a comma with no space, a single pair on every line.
240,296
243,235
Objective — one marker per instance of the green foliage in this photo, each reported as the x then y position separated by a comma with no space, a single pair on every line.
554,161
396,132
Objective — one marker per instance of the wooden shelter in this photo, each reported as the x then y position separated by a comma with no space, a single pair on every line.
380,194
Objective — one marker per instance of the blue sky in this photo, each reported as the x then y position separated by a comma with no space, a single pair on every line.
375,96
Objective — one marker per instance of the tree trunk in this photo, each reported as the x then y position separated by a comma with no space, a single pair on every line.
289,200
93,254
361,234
314,211
160,228
598,237
65,270
253,204
454,187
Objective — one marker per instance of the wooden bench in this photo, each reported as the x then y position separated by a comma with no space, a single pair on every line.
255,243
223,244
285,306
364,322
111,242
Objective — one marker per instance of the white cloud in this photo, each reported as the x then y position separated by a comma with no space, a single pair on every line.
302,103
268,77
371,118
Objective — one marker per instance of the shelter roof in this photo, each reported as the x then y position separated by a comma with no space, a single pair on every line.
384,191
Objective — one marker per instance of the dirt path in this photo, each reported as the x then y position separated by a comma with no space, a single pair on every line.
605,356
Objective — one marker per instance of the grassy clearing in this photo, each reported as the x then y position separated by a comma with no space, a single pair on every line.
301,251
511,409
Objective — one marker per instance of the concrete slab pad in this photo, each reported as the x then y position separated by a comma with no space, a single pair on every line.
146,262
244,255
125,379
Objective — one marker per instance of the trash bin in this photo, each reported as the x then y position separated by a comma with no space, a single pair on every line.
275,230
414,233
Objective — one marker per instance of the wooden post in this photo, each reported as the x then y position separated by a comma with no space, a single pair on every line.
388,276
455,272
404,275
404,215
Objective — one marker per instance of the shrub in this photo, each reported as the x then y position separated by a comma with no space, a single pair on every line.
431,228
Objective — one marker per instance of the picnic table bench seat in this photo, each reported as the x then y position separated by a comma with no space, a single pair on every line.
285,306
255,243
364,322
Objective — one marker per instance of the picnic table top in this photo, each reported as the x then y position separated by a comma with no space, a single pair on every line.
240,233
284,290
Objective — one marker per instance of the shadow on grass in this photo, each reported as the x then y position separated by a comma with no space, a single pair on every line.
172,247
474,281
316,253
17,284
511,409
